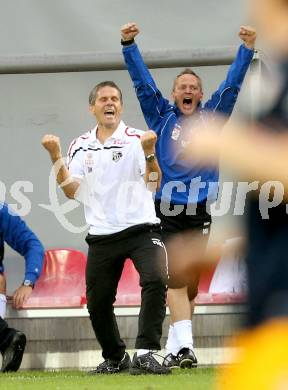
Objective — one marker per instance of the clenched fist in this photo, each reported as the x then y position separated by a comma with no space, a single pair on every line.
248,36
129,31
148,141
52,144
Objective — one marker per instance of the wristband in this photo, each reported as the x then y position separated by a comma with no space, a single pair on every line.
150,157
127,43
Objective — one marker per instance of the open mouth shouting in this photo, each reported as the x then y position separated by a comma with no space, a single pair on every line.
187,103
109,112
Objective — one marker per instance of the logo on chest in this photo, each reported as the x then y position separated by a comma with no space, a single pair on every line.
89,159
116,156
176,132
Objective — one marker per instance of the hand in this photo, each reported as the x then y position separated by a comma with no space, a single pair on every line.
21,295
52,144
129,31
248,36
148,142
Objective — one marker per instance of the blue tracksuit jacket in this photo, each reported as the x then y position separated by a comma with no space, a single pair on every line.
181,179
15,232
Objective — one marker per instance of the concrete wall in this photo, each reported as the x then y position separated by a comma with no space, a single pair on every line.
59,26
63,338
32,105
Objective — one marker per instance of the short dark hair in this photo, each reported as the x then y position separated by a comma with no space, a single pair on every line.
93,93
188,71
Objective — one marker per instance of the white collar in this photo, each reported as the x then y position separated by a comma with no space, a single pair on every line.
118,133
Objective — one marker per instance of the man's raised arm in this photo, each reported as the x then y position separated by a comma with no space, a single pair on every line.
224,99
68,184
152,103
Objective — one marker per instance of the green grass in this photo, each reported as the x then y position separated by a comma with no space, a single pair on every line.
198,379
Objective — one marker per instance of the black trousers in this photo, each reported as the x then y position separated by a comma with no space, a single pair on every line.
4,331
106,257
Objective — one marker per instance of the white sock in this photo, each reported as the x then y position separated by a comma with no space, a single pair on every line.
3,302
171,344
141,352
183,334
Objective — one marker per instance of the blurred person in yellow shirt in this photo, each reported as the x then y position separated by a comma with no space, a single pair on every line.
258,152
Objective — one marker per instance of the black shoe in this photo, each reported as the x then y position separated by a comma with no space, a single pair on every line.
147,364
171,361
13,353
187,358
113,367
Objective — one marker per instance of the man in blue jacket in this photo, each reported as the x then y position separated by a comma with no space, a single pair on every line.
19,237
181,203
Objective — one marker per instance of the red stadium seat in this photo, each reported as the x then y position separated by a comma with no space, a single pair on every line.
129,291
62,282
205,280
